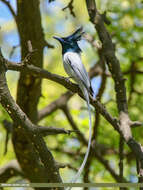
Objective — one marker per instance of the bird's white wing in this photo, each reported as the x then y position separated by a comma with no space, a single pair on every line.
75,68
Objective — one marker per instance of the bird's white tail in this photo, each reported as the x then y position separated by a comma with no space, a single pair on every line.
86,95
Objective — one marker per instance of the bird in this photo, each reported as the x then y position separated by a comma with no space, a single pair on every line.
71,55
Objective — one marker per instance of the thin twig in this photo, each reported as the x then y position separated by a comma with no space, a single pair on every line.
45,131
57,104
70,7
7,3
121,157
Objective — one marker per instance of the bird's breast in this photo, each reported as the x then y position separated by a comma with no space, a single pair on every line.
68,59
69,55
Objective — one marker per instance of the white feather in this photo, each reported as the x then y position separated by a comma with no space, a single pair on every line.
75,69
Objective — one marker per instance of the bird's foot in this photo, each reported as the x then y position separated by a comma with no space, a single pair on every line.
68,78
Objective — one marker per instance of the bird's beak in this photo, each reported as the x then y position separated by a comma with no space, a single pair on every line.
61,40
57,38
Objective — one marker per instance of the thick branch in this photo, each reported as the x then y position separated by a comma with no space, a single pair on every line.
19,117
61,80
114,67
135,147
41,73
64,98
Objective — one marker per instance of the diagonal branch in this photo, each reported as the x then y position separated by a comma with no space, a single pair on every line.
95,150
19,117
70,7
33,70
41,73
73,124
64,98
57,104
114,67
125,132
27,125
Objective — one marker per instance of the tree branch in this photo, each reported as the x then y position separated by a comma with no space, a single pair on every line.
93,151
19,117
7,3
8,127
114,67
41,73
61,80
135,147
68,152
121,157
58,79
73,124
44,131
64,98
57,104
134,124
70,7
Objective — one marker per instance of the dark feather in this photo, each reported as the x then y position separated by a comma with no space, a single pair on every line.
76,36
70,43
91,91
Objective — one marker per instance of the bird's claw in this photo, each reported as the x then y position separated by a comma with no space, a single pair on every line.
68,79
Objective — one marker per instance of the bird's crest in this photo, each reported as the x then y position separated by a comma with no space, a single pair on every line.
70,43
76,36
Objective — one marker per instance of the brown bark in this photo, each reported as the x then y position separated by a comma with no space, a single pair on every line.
29,89
44,163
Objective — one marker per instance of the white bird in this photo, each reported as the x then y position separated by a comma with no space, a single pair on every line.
76,70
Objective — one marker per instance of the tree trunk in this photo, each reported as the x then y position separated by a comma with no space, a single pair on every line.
29,89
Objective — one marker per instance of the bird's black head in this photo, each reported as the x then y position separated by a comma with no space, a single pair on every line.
69,43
